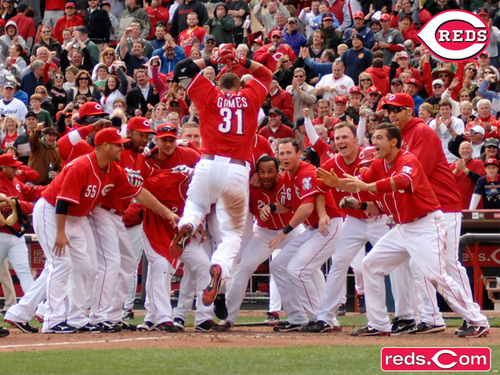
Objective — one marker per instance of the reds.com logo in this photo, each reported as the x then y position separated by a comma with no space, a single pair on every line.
455,35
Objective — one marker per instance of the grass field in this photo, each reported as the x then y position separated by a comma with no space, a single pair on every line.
213,361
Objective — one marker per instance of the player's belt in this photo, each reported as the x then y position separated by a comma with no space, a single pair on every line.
232,161
113,211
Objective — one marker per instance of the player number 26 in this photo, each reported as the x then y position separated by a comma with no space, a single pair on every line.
227,121
91,191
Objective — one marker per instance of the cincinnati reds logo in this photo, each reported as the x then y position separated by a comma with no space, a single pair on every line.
392,97
455,35
277,55
146,123
106,189
98,107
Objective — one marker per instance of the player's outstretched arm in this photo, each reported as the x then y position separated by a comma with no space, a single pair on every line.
149,200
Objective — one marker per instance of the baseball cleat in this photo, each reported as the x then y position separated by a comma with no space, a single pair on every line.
222,326
288,327
427,328
127,314
4,332
167,327
127,326
179,323
181,240
400,326
62,327
320,326
463,327
206,326
474,331
341,311
147,326
272,318
89,328
212,289
220,308
108,327
24,327
369,331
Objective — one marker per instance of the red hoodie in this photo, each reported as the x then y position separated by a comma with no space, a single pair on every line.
380,78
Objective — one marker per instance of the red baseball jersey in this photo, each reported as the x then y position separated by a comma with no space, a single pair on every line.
228,121
259,197
341,169
129,160
180,156
424,143
301,188
83,184
406,205
73,144
283,131
187,37
261,147
170,189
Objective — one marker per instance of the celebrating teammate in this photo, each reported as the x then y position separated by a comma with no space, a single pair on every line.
228,122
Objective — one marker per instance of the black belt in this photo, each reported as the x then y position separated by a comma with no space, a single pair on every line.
232,161
113,211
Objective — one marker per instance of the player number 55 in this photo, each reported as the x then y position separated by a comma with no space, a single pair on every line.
91,191
227,121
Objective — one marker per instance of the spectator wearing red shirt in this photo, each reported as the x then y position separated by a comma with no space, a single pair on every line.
275,129
186,38
269,54
281,99
69,21
25,24
486,120
467,171
54,9
157,13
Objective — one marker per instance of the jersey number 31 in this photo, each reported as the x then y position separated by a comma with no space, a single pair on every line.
227,121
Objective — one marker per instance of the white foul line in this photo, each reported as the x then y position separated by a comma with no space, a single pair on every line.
80,342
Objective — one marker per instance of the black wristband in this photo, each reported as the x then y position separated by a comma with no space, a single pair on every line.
363,206
247,63
272,206
287,229
207,61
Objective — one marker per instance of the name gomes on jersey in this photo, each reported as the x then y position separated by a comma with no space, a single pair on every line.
232,102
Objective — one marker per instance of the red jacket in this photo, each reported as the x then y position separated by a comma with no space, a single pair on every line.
380,79
160,14
284,102
271,60
64,23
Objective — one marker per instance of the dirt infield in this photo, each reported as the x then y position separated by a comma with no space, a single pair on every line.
238,337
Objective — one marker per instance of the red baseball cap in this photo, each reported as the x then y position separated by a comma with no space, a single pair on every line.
10,160
354,89
490,161
328,16
413,81
486,53
400,99
367,155
372,89
91,109
109,135
482,12
340,99
141,124
358,14
70,5
385,17
276,32
166,130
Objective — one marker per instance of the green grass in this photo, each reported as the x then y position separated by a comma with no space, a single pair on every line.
261,361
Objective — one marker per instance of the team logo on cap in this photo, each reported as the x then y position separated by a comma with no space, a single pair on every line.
392,97
146,123
455,35
98,107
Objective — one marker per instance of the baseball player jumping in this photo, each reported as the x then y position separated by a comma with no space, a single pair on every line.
228,123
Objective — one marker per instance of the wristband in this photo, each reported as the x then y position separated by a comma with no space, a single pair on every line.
207,61
363,206
272,206
287,229
247,63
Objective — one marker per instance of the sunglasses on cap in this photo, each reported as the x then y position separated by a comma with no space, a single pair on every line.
167,129
491,146
396,109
